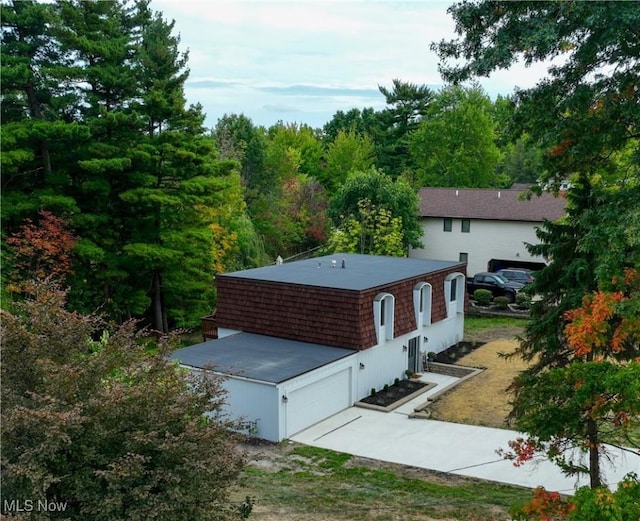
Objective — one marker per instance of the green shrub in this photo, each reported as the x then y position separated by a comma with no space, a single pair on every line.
396,381
501,302
482,296
523,300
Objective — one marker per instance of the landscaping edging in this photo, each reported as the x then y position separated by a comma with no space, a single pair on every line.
459,371
423,410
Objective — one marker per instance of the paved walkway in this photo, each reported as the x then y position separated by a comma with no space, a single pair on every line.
447,447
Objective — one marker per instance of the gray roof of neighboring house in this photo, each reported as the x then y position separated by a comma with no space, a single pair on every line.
493,204
259,357
361,272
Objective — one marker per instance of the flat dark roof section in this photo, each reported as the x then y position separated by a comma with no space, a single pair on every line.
259,357
361,272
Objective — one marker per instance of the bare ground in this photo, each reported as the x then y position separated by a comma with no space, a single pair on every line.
484,399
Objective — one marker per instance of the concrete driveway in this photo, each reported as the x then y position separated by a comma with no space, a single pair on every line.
446,447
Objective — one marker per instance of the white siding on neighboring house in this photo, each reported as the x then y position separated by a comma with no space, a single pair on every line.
486,240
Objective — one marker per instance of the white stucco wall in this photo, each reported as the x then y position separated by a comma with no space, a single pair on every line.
486,240
254,401
388,360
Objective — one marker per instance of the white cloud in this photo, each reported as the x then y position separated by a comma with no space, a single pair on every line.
257,57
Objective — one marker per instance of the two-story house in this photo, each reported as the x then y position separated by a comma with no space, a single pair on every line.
301,341
486,228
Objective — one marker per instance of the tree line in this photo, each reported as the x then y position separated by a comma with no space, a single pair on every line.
96,132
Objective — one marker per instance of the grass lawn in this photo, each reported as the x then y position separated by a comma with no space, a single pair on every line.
319,485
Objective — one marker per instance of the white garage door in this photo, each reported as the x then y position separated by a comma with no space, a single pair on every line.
317,401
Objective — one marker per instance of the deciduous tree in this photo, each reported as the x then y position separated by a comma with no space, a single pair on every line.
372,231
362,122
585,107
455,145
93,421
238,138
349,151
398,197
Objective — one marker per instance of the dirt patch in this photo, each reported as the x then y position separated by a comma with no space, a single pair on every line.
483,400
275,457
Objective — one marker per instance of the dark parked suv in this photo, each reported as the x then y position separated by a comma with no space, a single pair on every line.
521,275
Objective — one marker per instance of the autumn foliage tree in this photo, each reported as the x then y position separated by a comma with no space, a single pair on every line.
581,389
42,249
586,505
93,420
590,404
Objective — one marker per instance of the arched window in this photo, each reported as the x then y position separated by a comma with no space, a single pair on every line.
383,313
422,303
454,289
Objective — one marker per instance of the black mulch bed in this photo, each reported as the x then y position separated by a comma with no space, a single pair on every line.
449,356
393,393
397,391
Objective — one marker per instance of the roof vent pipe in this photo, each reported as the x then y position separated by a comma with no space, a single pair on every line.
456,193
344,264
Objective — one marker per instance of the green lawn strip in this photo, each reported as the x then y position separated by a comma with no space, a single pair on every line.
477,324
327,487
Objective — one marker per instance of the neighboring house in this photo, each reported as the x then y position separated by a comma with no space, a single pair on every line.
486,228
301,341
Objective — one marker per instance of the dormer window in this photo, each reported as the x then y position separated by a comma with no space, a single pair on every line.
422,303
454,288
383,311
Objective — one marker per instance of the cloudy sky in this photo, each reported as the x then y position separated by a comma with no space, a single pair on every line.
302,61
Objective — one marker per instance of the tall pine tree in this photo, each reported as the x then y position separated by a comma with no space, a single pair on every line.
100,131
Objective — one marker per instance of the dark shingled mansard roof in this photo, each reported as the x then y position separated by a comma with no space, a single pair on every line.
361,272
490,204
259,357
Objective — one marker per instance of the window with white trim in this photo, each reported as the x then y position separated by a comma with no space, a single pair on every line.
454,288
422,293
383,312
